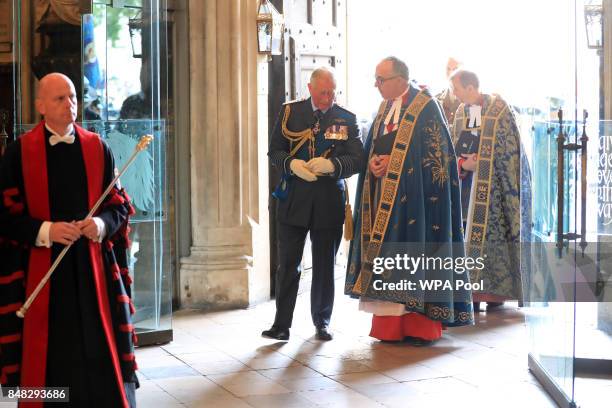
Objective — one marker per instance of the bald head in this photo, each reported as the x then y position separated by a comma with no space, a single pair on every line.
56,100
391,77
51,80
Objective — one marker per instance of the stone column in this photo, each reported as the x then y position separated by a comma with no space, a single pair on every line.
228,264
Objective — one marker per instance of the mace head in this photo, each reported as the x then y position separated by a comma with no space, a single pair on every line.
144,142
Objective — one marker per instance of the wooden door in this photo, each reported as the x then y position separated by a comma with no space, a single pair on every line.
315,35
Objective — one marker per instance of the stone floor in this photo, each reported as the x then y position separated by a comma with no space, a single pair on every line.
219,360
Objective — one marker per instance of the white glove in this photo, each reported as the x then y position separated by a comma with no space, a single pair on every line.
320,165
298,167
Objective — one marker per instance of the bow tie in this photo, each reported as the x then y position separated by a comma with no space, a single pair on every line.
55,139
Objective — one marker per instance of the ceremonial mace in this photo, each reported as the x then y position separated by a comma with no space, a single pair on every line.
142,144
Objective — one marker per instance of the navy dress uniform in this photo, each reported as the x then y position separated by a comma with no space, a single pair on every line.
304,132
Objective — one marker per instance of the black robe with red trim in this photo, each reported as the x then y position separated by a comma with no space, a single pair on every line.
78,332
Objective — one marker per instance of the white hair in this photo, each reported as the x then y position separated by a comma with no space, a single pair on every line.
322,72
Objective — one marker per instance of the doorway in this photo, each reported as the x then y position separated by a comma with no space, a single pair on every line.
542,57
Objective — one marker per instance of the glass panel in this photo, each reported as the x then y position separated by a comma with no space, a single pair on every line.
577,325
548,269
548,274
543,136
594,272
149,259
131,98
594,266
111,83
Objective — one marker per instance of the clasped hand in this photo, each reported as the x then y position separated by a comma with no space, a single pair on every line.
378,165
67,233
315,167
470,162
320,165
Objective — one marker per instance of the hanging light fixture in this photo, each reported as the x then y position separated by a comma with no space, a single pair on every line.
593,21
136,25
269,29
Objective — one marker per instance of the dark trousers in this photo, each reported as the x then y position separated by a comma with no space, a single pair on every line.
325,243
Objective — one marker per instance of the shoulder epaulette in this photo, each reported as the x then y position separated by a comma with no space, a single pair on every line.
344,109
295,101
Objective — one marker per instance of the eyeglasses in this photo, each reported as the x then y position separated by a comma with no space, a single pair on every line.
380,80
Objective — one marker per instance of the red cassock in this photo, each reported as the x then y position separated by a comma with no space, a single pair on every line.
78,332
395,328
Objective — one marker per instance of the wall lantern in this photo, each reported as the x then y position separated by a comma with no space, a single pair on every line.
136,26
270,25
593,21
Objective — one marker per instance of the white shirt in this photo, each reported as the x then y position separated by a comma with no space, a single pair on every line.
314,108
475,118
392,119
42,239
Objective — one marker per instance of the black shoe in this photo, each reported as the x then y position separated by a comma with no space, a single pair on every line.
494,305
276,333
323,334
418,342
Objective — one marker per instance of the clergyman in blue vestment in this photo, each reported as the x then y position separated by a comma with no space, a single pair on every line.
495,189
408,208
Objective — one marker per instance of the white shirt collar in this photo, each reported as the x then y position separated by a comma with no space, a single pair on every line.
314,108
394,112
53,132
401,96
57,138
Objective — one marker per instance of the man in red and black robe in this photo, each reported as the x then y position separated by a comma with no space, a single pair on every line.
78,331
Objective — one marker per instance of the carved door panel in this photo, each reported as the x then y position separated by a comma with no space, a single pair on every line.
315,35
